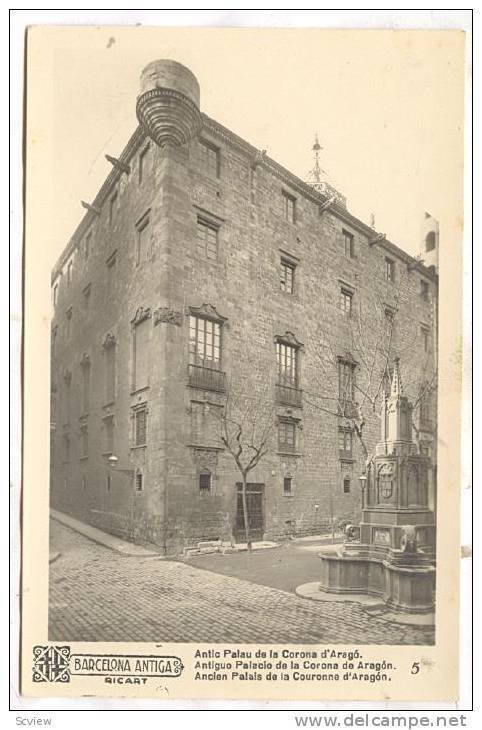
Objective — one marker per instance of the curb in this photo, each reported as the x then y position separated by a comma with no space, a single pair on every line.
127,549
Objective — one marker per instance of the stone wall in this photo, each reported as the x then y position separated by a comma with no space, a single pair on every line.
244,288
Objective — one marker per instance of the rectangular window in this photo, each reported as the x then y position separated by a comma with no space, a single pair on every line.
56,294
424,290
66,443
346,381
207,240
141,354
287,485
107,482
86,294
87,245
110,373
67,397
139,482
205,478
85,374
287,359
68,323
346,298
112,207
389,269
345,443
425,338
142,243
140,431
348,244
287,276
209,159
204,342
84,483
346,485
69,273
111,270
289,207
109,435
143,158
84,441
287,436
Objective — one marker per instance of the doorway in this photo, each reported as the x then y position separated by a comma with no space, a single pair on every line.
255,505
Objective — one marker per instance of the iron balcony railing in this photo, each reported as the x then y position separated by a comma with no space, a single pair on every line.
288,395
207,378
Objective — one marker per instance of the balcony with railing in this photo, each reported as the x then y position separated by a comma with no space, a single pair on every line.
207,378
288,395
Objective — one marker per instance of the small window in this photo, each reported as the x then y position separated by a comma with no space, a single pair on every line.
68,323
87,245
430,241
346,298
348,244
287,436
287,485
424,290
84,483
346,485
109,435
66,442
107,483
207,240
56,294
140,427
345,443
143,163
425,338
289,207
346,381
139,482
205,478
86,295
69,273
209,159
84,441
111,269
389,269
142,249
112,207
287,276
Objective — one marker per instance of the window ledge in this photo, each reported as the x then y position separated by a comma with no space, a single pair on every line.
108,405
289,453
84,457
135,391
139,446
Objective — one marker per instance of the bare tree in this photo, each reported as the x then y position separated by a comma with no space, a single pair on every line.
351,385
246,426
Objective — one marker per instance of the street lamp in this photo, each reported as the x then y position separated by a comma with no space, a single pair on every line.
363,482
113,463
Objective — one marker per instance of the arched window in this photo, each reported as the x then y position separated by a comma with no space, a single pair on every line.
430,241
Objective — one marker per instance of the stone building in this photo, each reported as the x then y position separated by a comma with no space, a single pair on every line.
203,270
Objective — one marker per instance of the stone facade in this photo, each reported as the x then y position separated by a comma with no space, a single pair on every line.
140,265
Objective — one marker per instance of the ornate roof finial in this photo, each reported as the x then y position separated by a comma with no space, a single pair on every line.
317,174
397,388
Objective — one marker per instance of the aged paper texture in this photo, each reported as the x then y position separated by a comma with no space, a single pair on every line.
242,363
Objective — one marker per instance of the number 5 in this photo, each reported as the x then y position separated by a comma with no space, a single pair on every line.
415,668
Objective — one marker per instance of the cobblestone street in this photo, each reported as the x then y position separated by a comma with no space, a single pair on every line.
98,595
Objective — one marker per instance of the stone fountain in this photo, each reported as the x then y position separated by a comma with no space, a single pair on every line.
391,553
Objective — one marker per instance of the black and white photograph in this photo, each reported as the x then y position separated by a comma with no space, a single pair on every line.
246,229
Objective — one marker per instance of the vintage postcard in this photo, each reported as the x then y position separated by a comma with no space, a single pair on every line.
242,373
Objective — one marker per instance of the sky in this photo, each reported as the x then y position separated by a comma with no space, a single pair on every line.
386,105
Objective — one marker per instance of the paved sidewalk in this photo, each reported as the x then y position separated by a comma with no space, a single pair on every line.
97,594
103,538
